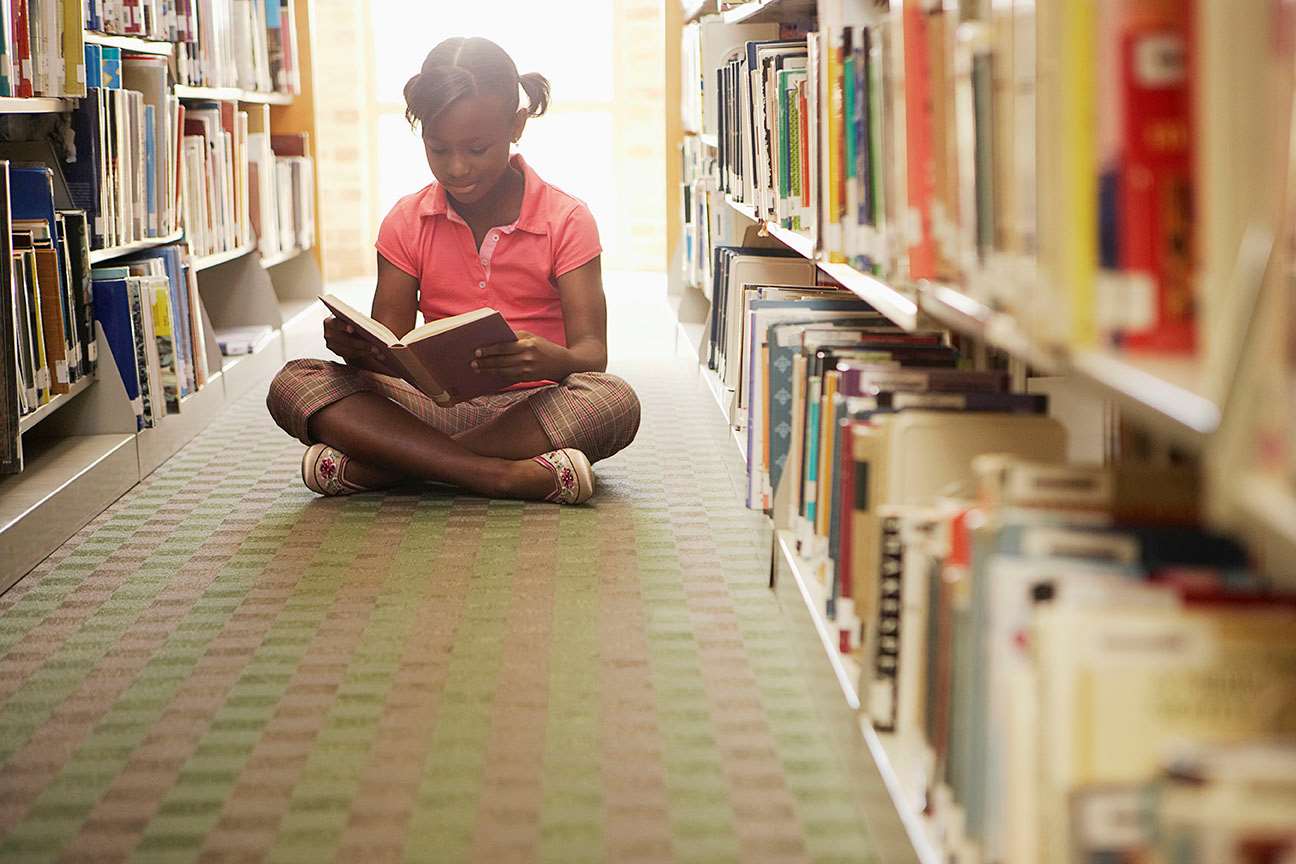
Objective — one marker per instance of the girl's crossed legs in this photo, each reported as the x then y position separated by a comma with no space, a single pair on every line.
393,433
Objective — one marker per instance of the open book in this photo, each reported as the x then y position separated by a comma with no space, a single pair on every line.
436,358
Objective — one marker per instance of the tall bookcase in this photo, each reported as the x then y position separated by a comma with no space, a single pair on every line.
1207,406
83,450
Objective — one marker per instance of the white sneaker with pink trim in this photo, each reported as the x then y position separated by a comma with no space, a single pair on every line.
322,471
573,475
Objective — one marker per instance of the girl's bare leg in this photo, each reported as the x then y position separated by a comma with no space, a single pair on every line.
387,444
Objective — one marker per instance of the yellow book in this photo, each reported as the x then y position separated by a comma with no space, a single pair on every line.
827,458
74,70
833,142
1079,169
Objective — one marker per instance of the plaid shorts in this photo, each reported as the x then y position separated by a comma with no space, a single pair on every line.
594,412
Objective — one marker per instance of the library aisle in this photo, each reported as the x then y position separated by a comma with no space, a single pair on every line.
224,666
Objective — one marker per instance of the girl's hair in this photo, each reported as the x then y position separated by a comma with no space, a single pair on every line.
464,66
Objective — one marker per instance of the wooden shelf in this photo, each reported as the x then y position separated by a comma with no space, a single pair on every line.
772,10
206,262
895,825
64,485
35,105
129,43
98,255
29,421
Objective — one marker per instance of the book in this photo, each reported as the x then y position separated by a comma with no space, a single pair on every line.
238,341
436,357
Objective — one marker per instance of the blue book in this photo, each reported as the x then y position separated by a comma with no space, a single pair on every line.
31,194
94,66
150,172
113,312
84,172
110,68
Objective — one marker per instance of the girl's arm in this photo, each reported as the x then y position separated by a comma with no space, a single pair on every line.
533,358
395,304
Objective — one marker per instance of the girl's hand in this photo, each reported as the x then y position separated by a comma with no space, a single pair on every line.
530,358
343,340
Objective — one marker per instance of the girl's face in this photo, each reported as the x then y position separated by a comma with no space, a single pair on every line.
468,146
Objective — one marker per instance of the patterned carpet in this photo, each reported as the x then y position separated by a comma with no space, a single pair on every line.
223,667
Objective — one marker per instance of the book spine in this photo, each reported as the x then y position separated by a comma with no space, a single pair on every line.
918,120
1156,189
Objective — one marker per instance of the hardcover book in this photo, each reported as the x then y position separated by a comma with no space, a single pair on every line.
436,358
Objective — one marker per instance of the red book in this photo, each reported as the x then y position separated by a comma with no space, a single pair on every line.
22,49
436,358
919,166
290,144
1156,196
845,546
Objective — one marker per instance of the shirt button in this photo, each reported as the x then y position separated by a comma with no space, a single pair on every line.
481,284
494,236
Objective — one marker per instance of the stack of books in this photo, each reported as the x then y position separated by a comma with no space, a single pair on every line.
151,316
215,178
41,48
1050,642
239,43
46,306
124,170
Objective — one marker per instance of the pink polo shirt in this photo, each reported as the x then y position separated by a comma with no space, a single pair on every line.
517,268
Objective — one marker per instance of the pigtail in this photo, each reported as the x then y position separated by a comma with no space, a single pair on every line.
536,87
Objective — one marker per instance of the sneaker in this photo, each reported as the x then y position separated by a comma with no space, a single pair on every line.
573,476
322,470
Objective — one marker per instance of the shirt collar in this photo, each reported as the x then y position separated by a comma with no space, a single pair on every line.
435,203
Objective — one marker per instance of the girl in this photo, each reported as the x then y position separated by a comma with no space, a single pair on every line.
488,232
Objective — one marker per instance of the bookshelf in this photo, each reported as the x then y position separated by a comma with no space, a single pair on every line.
771,10
1010,298
34,105
100,255
130,43
82,450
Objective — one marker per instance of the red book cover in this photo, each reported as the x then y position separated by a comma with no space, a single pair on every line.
845,547
1156,196
918,138
22,49
437,357
290,144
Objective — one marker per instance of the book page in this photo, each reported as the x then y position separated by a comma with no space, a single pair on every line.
442,325
353,316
